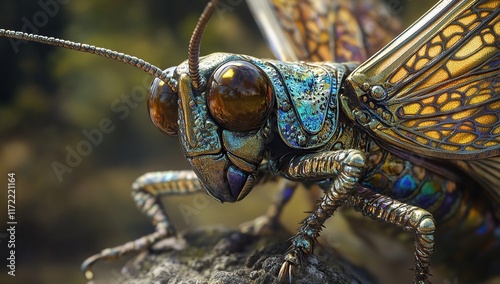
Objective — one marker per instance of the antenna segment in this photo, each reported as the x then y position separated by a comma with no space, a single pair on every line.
104,52
194,45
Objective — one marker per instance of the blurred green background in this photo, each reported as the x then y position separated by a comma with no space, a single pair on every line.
50,95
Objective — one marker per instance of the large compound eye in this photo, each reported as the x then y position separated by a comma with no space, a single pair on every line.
163,107
239,96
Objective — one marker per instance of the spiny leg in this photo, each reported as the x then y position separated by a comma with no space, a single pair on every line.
270,221
408,217
346,167
146,191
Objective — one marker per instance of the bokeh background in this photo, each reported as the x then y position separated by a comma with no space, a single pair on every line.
49,95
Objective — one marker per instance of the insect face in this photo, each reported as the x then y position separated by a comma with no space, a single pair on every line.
223,127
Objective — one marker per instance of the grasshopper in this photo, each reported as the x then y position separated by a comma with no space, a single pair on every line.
405,137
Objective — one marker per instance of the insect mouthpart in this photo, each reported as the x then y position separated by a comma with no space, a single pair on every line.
223,180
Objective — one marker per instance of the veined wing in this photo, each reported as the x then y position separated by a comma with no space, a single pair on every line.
435,89
325,30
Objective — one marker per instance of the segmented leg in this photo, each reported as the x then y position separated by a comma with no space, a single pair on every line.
270,221
407,217
146,191
346,167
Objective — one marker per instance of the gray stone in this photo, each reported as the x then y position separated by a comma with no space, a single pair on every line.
221,255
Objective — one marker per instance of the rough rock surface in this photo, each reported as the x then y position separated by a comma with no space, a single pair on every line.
221,255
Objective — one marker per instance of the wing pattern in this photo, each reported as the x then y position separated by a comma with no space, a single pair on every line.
435,90
329,30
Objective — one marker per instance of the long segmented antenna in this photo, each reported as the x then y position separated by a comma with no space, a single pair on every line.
194,45
115,55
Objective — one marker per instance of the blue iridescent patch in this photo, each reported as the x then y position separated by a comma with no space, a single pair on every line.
404,187
287,194
429,194
483,228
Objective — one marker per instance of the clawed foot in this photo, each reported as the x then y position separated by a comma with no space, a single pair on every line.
287,269
292,261
119,251
107,254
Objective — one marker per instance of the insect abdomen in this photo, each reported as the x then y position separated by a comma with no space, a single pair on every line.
458,205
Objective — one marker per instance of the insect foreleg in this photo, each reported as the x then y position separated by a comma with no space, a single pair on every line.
344,167
147,190
407,217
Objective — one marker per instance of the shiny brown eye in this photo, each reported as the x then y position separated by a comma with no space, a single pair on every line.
163,107
239,96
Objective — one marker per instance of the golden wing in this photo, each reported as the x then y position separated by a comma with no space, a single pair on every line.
329,30
434,90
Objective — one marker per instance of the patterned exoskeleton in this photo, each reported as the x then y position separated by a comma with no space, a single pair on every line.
410,137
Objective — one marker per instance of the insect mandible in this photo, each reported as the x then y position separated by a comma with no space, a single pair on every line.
391,137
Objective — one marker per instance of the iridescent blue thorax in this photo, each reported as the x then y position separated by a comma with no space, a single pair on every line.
306,100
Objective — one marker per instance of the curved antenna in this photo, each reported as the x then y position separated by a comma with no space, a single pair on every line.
115,55
194,45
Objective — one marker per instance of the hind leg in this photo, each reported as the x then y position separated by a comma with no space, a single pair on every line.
407,217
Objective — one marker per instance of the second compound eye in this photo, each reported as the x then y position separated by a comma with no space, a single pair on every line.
163,106
239,96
